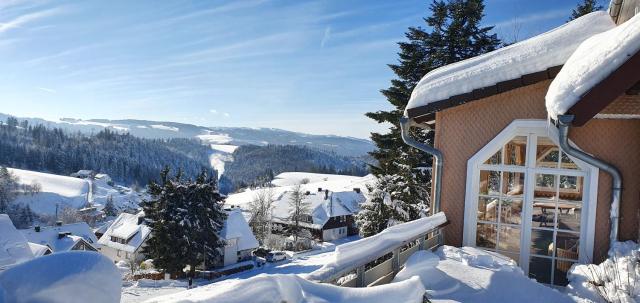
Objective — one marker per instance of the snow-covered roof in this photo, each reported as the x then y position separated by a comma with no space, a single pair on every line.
594,60
236,227
533,55
320,209
126,226
48,236
38,250
14,248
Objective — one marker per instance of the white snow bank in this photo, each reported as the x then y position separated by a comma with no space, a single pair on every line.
225,148
294,289
14,247
164,127
594,60
148,283
473,275
357,252
65,278
215,138
294,178
617,279
535,54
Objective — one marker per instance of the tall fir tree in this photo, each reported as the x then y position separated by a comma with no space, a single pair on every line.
587,6
186,218
455,34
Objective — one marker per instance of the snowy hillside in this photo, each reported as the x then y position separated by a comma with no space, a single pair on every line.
71,192
285,182
346,146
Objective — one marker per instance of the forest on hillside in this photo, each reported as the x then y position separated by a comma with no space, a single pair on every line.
127,159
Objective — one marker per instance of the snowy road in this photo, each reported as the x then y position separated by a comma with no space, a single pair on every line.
299,265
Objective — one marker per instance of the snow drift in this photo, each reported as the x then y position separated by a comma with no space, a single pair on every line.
294,289
62,278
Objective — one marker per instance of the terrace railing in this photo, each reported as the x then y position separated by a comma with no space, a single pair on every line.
382,268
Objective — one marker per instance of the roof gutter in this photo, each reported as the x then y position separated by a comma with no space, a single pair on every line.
405,125
564,123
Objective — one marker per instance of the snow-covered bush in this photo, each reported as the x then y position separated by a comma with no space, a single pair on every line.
617,279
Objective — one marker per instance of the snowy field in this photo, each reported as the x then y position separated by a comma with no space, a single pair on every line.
302,264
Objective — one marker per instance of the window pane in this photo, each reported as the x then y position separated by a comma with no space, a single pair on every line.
511,211
567,245
547,153
566,163
486,235
542,242
540,269
496,159
545,186
560,272
543,214
571,188
512,183
489,182
488,209
569,215
509,238
515,151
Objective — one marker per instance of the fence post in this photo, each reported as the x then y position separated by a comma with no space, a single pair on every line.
395,261
360,276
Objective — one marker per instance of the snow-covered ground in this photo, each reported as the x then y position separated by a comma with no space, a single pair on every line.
72,192
301,264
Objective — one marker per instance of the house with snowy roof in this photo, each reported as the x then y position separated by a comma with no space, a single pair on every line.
124,239
239,238
14,248
61,238
536,143
330,215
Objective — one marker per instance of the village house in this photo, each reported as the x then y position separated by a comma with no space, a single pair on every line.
61,238
239,238
125,238
14,248
536,144
330,214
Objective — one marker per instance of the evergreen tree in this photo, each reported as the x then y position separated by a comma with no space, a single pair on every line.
186,218
110,209
8,188
587,6
455,34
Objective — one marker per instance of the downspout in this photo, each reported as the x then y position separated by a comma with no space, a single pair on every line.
564,122
405,125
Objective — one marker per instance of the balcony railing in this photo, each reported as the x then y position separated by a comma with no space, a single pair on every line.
382,268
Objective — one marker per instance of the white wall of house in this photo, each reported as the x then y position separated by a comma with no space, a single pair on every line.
121,255
231,252
334,233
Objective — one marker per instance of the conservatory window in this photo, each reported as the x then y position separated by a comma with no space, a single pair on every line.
527,199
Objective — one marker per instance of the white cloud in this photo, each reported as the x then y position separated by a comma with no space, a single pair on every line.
48,90
227,115
213,111
27,18
326,36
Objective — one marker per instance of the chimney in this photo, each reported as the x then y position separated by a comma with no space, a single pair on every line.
326,194
58,223
140,220
37,228
307,193
319,189
63,234
356,189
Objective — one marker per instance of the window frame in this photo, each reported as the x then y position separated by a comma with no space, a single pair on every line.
532,129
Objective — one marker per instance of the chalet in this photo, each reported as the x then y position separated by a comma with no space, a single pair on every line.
239,238
536,144
330,214
61,238
125,238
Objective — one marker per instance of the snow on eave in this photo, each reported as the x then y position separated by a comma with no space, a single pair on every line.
591,63
535,54
138,233
236,227
48,235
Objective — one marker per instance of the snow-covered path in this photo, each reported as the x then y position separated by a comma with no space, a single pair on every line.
298,265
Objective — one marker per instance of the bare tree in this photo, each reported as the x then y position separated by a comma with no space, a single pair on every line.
298,211
260,209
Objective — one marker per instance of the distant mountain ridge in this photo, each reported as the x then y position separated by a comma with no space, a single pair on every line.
237,136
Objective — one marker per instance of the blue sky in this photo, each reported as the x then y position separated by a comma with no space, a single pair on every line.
308,66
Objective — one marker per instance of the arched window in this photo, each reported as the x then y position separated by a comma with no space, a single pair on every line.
530,201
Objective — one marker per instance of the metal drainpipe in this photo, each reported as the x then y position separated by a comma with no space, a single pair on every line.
564,122
405,125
